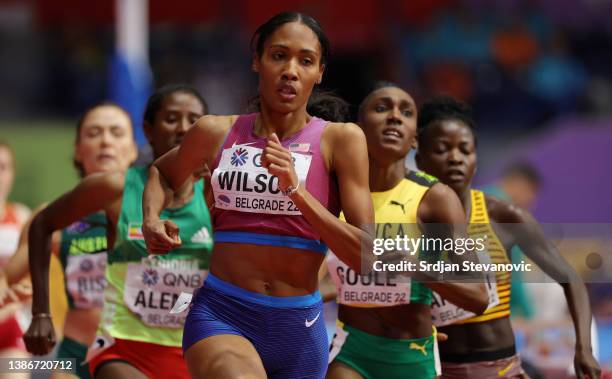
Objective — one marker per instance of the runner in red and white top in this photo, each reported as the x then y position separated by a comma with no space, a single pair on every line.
12,218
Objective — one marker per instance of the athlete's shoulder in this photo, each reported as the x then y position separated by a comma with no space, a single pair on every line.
440,204
343,128
213,125
343,132
22,212
439,191
216,121
421,178
502,211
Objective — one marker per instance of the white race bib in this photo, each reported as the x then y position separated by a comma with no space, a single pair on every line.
152,287
377,289
86,280
240,183
445,313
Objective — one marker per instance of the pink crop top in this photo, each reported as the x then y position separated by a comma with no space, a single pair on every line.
249,207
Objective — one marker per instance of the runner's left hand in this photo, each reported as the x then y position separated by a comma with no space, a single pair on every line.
586,365
279,163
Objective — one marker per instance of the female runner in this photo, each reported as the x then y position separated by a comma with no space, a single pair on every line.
280,178
483,346
13,216
137,336
384,327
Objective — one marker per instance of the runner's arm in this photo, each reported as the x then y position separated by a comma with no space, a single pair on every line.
172,169
92,194
442,209
532,241
350,164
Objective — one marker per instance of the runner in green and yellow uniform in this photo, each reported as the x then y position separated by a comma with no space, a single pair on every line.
104,143
483,346
138,336
384,327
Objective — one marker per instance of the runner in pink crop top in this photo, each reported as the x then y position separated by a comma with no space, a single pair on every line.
244,190
259,311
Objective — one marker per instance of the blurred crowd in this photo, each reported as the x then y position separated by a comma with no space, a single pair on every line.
533,59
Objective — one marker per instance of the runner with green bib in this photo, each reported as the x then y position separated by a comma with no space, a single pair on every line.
384,327
137,336
104,143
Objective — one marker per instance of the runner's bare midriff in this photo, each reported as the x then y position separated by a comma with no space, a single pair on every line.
268,270
478,337
389,322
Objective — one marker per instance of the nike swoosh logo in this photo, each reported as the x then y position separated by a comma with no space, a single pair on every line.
505,370
243,144
309,323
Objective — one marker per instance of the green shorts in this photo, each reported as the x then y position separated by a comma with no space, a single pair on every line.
71,349
378,357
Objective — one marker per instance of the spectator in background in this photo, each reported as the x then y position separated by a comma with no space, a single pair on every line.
514,47
555,77
519,184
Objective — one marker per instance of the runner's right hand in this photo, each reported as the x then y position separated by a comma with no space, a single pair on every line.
40,337
161,236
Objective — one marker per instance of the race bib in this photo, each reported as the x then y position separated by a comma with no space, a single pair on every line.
377,289
445,313
240,183
85,279
152,287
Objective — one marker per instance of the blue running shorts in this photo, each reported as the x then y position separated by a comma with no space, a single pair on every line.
288,332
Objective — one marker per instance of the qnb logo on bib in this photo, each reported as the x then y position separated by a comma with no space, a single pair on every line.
151,292
150,277
86,265
241,183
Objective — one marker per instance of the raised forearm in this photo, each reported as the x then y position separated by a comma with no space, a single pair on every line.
157,195
344,239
